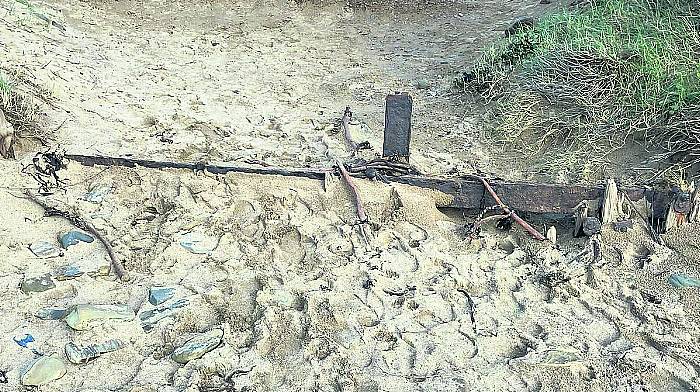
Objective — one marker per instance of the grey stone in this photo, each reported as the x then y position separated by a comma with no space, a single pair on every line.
198,243
78,355
68,272
158,295
45,250
73,237
198,346
682,281
37,284
83,317
43,370
150,318
51,313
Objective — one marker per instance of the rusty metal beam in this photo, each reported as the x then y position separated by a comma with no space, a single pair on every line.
466,193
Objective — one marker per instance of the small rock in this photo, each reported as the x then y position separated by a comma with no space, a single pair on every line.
45,250
591,226
83,317
150,318
73,237
78,355
681,281
158,295
51,313
198,243
422,84
623,226
545,1
37,284
198,346
43,370
68,272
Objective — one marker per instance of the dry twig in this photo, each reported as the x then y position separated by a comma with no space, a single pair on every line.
510,213
83,224
356,195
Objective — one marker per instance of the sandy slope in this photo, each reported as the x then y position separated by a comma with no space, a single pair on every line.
306,302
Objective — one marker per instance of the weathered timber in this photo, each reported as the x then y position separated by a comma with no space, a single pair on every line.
465,193
397,126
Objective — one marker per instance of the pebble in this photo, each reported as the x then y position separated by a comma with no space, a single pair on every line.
43,370
51,313
150,318
422,84
45,250
68,272
78,355
198,346
73,237
680,281
158,295
82,317
198,243
37,284
591,226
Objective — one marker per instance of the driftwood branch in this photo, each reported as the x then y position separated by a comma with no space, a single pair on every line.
83,224
353,189
536,234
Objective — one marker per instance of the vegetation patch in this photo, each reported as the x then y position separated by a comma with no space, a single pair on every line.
592,80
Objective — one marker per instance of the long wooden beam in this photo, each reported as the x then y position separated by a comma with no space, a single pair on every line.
466,193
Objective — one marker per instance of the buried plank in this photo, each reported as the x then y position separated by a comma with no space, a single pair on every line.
465,193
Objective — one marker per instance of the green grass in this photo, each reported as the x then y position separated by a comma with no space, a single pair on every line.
618,68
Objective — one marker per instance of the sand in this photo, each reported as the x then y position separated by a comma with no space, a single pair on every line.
305,300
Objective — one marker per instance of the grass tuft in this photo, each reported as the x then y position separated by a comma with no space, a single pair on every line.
591,80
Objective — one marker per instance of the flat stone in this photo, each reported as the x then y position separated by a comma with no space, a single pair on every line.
45,250
74,237
37,284
198,346
77,354
83,317
198,243
68,272
51,313
157,295
150,318
43,370
681,281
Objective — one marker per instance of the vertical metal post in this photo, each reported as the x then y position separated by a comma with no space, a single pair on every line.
397,126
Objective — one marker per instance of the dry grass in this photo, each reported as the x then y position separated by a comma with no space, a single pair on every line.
590,81
20,100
